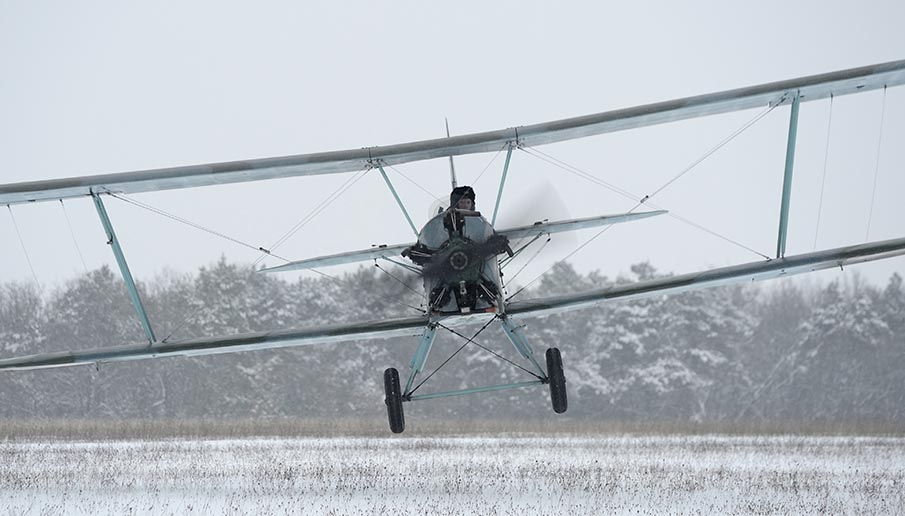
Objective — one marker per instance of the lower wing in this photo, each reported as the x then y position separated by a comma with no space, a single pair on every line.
754,271
411,326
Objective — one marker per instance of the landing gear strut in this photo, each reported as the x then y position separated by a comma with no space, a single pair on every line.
553,376
394,400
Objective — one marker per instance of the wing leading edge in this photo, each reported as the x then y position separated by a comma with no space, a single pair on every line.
410,326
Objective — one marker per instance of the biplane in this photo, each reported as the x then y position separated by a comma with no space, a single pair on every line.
458,251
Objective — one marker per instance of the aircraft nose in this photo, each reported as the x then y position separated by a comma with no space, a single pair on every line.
458,261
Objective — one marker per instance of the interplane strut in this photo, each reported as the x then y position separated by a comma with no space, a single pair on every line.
787,178
124,268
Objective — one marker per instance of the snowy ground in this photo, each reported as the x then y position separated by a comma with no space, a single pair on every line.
457,475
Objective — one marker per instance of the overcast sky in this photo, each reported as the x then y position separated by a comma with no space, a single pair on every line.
99,87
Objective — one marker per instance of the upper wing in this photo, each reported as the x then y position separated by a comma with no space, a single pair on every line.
813,87
754,271
388,251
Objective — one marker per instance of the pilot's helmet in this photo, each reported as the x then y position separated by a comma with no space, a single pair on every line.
459,193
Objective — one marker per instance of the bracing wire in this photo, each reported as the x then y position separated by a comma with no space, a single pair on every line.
24,250
397,301
207,230
494,353
195,225
528,262
487,166
717,147
182,323
267,252
625,193
826,155
467,342
72,234
873,195
645,200
401,282
192,315
410,268
640,200
709,231
579,248
200,227
410,180
521,247
556,162
315,211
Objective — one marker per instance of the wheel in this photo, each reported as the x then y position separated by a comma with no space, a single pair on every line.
557,380
394,400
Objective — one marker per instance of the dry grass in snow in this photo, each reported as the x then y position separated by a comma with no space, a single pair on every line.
489,475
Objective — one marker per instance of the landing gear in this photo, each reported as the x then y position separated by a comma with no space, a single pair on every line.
552,376
394,400
557,381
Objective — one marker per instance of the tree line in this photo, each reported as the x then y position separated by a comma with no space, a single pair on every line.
779,353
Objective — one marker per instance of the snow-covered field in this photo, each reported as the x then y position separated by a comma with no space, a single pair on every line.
457,475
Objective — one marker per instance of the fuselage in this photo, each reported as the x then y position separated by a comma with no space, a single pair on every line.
462,273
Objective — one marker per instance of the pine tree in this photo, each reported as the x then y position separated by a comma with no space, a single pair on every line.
780,311
833,369
22,321
21,318
699,356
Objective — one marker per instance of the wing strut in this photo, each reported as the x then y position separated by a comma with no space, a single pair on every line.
420,357
787,179
124,268
398,200
499,194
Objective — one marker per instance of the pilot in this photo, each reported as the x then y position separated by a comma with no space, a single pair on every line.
461,203
462,198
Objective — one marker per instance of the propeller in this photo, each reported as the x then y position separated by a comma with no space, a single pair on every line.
461,258
542,203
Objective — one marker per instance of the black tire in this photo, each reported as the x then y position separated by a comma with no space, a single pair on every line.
557,381
394,400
